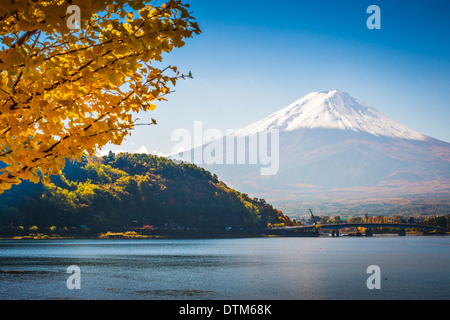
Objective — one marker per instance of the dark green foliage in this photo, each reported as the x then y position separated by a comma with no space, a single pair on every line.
133,190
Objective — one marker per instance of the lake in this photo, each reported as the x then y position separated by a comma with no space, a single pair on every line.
411,267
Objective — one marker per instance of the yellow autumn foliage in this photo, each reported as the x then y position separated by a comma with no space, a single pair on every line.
65,92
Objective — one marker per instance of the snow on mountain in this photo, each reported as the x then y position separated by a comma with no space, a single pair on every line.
332,110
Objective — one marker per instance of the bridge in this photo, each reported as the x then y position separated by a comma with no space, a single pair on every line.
335,228
369,227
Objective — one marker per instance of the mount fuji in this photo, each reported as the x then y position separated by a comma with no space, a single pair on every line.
333,146
332,110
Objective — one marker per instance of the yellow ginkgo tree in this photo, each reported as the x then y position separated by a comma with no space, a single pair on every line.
68,88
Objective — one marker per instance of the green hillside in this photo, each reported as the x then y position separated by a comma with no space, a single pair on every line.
130,191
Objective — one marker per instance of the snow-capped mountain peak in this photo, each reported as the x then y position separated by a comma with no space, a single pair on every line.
332,110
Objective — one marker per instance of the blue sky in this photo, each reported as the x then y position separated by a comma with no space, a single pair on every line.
256,57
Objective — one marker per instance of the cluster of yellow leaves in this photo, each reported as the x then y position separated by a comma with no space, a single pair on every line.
65,92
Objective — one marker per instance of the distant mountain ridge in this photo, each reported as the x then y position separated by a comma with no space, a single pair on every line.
332,146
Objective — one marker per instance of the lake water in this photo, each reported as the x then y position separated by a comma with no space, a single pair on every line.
412,267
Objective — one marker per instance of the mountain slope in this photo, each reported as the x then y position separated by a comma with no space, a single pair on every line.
332,146
132,190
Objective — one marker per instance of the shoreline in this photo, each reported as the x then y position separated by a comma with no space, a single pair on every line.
200,236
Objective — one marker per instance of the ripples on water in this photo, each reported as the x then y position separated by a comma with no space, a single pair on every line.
412,267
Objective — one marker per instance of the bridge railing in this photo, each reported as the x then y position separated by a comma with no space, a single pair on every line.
379,225
366,225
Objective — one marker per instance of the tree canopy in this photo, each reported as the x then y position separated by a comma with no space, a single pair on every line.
67,91
134,190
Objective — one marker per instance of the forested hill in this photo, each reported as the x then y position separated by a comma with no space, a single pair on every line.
131,191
